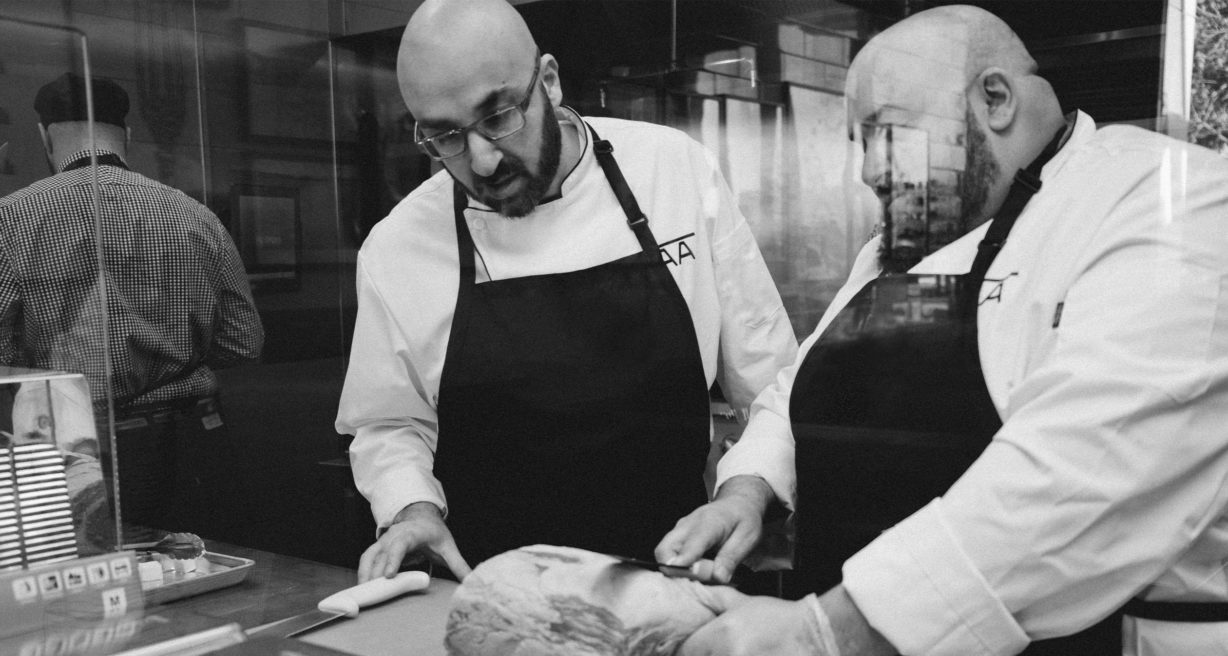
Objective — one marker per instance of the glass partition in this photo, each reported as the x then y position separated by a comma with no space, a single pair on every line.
54,395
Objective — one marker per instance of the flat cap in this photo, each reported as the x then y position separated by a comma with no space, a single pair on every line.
63,99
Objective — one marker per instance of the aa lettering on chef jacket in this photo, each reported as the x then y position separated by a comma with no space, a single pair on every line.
676,250
997,287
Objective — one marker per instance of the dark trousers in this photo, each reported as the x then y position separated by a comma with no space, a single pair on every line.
171,458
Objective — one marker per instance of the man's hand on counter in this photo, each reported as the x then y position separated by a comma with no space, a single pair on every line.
733,521
419,527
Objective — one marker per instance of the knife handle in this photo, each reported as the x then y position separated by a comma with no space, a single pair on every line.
700,570
350,600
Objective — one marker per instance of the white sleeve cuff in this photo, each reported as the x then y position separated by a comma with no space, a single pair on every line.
764,450
390,501
918,588
392,466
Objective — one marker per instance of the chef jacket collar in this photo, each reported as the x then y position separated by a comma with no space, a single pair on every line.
586,159
1083,129
957,256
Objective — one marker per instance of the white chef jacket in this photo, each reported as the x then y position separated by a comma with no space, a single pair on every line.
1103,336
408,276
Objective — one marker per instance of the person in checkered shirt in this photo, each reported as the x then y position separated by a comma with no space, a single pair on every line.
178,303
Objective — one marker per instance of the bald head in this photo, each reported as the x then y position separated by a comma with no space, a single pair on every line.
961,40
935,53
470,72
962,78
448,45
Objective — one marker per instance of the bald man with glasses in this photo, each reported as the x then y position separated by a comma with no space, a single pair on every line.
540,323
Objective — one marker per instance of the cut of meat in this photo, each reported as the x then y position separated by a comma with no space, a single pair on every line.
559,601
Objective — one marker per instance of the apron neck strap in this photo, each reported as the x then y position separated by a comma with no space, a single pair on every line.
1025,185
635,217
464,240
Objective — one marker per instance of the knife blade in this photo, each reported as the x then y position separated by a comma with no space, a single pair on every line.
700,570
345,603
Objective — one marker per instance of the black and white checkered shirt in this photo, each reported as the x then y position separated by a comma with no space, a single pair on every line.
178,300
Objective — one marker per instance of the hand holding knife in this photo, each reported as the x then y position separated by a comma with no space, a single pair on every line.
701,570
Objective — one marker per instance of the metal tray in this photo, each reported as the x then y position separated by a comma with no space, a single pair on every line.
213,571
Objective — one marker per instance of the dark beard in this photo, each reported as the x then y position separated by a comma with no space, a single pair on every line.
536,184
980,173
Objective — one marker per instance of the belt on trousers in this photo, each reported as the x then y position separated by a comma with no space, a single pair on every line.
144,414
1178,611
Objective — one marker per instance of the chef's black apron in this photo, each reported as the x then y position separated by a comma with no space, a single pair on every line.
573,407
890,407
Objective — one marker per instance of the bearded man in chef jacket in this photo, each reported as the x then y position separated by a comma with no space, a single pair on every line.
1009,438
539,323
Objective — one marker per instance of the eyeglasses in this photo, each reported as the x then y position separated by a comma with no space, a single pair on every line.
501,124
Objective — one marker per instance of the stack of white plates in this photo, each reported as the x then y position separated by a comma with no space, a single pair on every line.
10,536
35,485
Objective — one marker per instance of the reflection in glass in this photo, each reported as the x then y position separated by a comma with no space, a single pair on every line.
897,161
52,487
45,412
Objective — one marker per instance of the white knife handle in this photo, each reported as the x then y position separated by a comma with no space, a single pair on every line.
350,600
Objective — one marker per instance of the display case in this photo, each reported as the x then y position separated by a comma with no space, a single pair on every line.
54,500
61,565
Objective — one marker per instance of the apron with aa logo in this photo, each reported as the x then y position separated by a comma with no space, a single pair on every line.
890,407
573,407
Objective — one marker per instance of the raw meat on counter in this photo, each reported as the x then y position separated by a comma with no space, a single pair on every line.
559,601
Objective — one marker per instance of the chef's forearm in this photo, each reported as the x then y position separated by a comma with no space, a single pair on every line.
416,508
752,490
